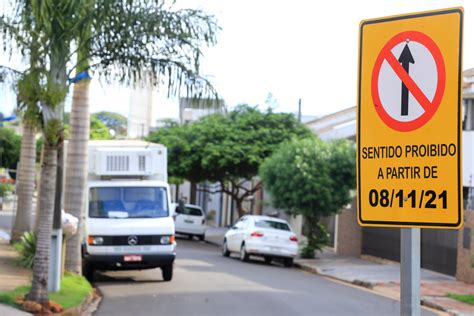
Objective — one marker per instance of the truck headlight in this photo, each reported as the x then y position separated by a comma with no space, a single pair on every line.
95,240
167,240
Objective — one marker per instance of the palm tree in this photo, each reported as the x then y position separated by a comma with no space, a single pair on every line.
131,42
30,113
29,91
49,25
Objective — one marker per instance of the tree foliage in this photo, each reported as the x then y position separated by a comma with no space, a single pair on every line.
114,121
98,130
227,148
10,144
312,178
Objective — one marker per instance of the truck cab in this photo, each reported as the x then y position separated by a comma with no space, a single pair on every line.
128,219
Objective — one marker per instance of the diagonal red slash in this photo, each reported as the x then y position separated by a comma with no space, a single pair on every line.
408,81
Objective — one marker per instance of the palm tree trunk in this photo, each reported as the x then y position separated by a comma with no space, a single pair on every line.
39,286
38,200
26,182
76,170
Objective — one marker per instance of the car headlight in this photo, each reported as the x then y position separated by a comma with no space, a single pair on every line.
95,240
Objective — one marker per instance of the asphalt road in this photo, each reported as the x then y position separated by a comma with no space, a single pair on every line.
205,283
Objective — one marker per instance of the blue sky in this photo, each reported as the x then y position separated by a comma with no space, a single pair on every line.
292,49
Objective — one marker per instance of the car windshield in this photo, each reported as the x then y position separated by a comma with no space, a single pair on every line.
189,210
128,202
272,224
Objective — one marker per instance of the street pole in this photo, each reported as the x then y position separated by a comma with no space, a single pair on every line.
410,272
299,110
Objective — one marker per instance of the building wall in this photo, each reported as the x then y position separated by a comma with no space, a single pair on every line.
465,259
348,232
140,115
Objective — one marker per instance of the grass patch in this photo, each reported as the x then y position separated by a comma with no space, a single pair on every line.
10,297
74,289
465,298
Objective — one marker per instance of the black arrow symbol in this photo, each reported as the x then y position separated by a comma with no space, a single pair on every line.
406,58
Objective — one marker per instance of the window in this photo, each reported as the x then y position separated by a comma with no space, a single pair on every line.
128,202
189,210
272,224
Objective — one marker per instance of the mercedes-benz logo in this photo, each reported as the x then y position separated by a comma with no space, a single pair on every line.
132,240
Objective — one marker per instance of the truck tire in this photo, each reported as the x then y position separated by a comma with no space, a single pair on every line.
88,271
167,272
288,262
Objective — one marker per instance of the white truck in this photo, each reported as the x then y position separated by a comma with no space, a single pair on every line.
128,223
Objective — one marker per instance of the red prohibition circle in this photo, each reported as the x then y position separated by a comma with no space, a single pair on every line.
385,53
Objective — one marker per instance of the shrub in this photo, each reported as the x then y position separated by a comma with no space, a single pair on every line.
318,237
4,188
26,248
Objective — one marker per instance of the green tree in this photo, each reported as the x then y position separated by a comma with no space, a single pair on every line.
98,130
10,144
227,148
114,121
312,178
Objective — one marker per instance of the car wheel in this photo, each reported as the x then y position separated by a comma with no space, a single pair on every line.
167,272
201,237
244,256
225,250
268,260
190,237
288,262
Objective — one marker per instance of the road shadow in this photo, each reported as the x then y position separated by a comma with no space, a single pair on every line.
104,277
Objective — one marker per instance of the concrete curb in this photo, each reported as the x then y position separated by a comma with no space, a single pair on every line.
424,301
88,306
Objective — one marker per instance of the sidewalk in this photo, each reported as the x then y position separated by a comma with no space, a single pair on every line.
11,276
382,276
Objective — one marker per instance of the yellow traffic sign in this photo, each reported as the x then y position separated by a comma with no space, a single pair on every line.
409,120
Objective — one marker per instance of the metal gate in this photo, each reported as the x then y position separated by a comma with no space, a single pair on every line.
438,247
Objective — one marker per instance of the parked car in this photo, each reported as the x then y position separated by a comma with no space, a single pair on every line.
189,220
262,236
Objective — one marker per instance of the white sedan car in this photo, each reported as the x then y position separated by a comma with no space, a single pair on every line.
261,236
189,221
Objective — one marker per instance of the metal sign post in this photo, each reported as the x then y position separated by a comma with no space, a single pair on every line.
410,272
409,117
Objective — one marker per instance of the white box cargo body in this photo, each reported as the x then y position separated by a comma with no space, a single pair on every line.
128,223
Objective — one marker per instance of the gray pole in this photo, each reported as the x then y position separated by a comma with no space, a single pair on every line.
410,272
299,110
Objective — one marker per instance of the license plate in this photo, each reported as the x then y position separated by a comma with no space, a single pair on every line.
188,221
132,258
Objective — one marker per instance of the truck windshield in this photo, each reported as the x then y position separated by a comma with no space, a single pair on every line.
128,202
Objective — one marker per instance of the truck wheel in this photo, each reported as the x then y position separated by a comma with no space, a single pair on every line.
167,272
268,260
88,272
